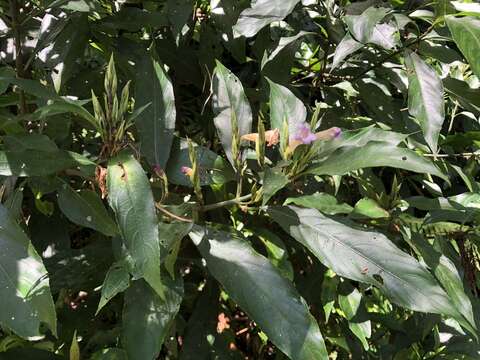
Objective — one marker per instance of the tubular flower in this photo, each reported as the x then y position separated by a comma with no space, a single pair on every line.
304,135
186,171
271,137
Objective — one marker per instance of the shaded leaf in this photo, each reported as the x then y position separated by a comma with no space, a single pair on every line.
213,169
147,317
156,123
273,181
38,163
277,308
85,208
24,282
116,282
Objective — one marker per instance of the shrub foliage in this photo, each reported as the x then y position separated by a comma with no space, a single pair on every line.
229,179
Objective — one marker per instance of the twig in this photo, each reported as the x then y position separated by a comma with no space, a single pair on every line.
225,203
172,215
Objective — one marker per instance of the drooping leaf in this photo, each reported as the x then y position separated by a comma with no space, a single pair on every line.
229,104
276,306
373,154
425,98
24,282
131,198
262,13
324,202
466,33
85,208
116,282
147,317
156,123
365,256
284,105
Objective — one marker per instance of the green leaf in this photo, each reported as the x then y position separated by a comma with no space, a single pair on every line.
449,276
213,169
277,252
366,28
350,301
365,256
131,198
262,13
346,47
275,305
373,154
171,234
147,317
284,43
23,142
463,93
229,102
63,106
273,181
116,282
156,123
467,8
425,98
38,163
284,105
24,282
85,208
324,202
369,208
74,348
466,34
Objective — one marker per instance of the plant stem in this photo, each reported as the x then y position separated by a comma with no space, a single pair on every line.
15,11
220,204
172,215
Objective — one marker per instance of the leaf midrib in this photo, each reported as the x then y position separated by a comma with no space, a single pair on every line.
362,256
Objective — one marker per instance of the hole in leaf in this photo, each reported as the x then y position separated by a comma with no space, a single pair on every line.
404,158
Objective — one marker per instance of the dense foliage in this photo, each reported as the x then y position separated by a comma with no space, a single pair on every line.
226,179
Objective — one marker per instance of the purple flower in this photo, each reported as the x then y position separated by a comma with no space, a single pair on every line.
304,134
